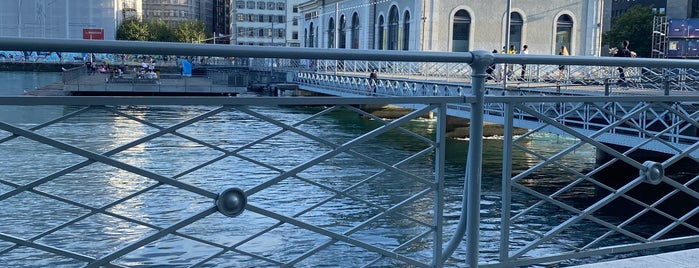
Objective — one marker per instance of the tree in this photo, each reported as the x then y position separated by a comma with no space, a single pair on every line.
159,31
133,29
190,31
635,25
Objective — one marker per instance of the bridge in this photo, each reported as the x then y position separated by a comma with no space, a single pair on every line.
623,123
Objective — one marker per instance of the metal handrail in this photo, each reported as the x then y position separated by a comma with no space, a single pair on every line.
476,101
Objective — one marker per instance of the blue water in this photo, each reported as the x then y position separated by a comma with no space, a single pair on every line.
28,215
17,83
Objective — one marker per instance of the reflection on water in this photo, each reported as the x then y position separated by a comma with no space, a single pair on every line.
334,194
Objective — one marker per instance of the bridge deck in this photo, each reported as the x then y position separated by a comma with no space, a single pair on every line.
678,259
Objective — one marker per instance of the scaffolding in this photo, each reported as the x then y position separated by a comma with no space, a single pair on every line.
660,25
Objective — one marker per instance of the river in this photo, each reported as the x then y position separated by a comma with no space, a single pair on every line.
25,215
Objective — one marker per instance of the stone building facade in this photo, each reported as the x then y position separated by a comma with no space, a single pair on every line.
455,25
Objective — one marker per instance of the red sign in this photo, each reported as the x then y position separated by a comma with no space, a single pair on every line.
93,34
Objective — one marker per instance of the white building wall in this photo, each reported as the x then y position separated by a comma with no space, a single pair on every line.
431,22
56,19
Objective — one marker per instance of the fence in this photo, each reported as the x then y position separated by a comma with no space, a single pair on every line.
61,222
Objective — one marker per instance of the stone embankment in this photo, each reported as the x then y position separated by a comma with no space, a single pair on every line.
457,128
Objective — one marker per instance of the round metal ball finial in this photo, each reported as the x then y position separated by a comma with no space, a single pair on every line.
231,202
654,172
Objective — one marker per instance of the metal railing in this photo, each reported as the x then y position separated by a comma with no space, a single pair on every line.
259,187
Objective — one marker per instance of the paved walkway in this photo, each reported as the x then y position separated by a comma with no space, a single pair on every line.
678,259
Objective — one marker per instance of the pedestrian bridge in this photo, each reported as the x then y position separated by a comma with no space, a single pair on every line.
580,100
226,203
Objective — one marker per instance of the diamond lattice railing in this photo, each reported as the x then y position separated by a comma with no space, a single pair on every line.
601,200
136,185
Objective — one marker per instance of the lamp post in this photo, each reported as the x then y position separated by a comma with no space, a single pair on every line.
508,9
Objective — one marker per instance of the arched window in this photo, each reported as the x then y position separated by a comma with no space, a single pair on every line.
516,23
393,28
381,34
311,36
406,30
355,30
305,37
461,31
341,40
564,31
331,33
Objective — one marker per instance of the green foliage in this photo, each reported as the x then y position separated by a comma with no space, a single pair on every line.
157,30
133,29
635,25
190,31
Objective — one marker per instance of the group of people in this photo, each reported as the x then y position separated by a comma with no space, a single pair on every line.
510,72
146,70
622,51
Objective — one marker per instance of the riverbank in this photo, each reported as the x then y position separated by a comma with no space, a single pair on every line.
26,66
457,127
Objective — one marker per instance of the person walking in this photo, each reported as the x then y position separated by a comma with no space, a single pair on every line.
623,51
562,68
373,77
491,69
510,68
525,51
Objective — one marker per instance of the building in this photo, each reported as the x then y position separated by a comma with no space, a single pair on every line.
73,19
221,22
127,9
174,11
265,23
454,25
620,6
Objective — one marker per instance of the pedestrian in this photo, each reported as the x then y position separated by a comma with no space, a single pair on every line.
561,68
623,51
510,68
372,80
491,69
525,51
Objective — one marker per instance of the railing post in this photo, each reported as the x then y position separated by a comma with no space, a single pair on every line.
469,222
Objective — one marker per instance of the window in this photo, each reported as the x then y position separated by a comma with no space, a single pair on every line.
251,17
461,31
280,6
240,4
281,19
260,5
355,30
295,35
241,32
343,34
251,4
564,32
261,32
241,17
311,36
295,9
261,18
516,23
271,5
281,33
393,28
406,30
381,39
331,33
295,21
